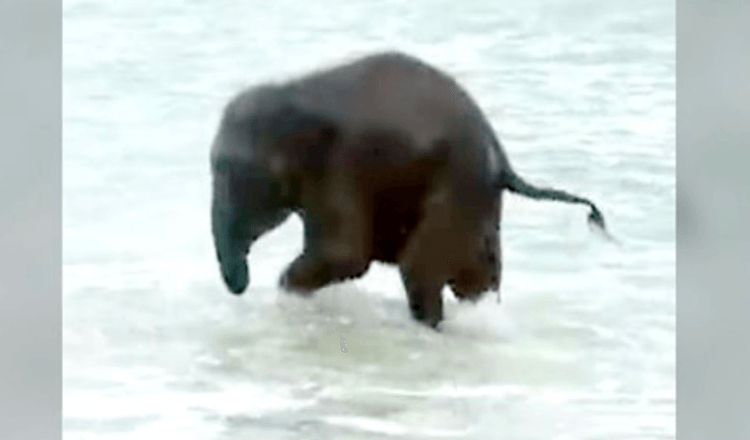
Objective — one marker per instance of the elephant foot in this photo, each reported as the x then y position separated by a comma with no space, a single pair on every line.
425,299
470,286
305,274
308,273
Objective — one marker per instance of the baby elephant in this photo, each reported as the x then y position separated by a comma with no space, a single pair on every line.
385,159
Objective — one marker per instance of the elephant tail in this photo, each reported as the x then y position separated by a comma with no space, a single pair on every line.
514,183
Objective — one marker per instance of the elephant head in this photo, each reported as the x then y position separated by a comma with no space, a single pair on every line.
246,200
255,158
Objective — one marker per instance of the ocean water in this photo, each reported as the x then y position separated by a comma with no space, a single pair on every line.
582,345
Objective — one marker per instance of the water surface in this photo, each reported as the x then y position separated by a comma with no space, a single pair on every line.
581,346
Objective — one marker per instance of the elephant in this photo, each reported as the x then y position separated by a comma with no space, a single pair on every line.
384,158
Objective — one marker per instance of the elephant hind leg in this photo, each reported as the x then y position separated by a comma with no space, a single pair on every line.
424,263
424,295
470,285
479,267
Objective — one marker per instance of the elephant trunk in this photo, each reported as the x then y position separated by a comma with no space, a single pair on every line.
232,242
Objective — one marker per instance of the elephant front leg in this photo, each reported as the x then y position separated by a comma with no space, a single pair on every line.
329,260
335,246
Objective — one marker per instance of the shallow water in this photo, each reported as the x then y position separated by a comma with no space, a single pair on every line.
582,345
